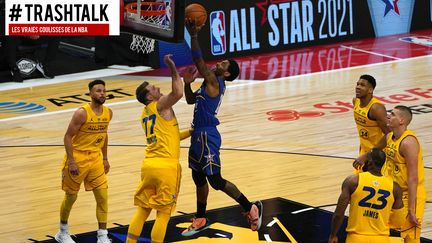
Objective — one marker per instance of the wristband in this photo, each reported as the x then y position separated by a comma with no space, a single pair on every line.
196,54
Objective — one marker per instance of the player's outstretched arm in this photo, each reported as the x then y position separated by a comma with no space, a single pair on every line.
189,77
167,101
197,57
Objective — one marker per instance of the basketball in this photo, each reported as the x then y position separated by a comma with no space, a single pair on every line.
196,12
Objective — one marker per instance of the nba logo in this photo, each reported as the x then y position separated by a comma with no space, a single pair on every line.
419,40
217,32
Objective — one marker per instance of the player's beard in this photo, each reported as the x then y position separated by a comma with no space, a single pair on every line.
99,101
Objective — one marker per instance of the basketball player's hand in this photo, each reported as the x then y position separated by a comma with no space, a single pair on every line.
190,74
192,27
359,162
413,218
106,166
168,61
333,239
73,168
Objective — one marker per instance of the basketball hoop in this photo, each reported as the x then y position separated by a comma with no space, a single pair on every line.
153,8
150,13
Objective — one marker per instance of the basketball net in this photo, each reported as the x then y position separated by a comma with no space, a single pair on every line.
151,13
142,44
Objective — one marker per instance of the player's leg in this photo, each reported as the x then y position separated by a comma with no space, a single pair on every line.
253,210
96,181
212,168
63,235
137,223
199,222
409,232
202,191
71,185
101,197
159,227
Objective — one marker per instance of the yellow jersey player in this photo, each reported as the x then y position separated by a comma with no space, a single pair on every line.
86,160
369,115
160,170
406,167
375,202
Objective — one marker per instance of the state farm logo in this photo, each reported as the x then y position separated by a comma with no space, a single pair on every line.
409,95
291,115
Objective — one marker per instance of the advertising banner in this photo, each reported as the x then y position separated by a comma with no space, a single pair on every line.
238,27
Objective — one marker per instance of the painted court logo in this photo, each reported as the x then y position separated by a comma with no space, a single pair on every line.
217,32
419,40
20,107
420,95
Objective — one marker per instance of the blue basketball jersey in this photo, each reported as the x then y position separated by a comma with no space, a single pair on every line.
206,107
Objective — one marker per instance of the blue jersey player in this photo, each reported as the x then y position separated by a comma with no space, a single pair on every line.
205,140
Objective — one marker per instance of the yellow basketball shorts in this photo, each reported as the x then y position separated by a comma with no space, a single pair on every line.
91,171
408,230
160,184
356,238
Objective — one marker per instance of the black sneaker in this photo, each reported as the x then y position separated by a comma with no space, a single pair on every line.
16,75
44,71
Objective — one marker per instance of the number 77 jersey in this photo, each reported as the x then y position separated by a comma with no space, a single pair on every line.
370,205
162,136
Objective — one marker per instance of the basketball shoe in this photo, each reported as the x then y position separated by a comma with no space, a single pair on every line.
198,224
63,237
102,236
254,216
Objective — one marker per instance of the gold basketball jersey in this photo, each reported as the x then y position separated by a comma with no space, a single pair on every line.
397,166
370,205
163,137
92,134
368,130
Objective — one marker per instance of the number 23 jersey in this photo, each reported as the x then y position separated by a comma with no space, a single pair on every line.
370,205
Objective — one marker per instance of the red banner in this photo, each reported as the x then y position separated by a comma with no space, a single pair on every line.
59,29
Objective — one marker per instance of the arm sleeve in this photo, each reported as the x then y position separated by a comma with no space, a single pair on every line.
185,134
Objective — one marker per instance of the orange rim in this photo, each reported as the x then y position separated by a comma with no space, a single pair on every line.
132,8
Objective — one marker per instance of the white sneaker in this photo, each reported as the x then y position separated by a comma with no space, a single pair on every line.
102,236
63,237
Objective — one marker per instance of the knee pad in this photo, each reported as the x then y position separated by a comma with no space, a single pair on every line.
199,178
217,182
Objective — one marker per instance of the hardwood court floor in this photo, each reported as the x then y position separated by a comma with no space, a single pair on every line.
266,152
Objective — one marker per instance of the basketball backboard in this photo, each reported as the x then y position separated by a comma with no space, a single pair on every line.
157,19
